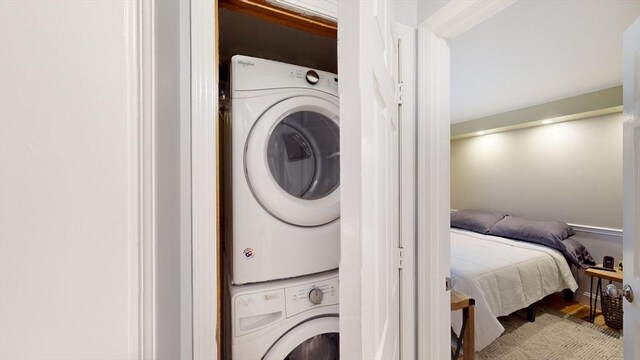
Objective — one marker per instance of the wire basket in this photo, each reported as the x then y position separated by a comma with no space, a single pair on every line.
612,311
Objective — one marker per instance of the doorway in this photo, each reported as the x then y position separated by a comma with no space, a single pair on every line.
434,154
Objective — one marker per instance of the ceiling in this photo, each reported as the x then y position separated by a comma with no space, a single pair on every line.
538,51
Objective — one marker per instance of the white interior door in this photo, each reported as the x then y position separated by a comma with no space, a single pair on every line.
370,172
631,141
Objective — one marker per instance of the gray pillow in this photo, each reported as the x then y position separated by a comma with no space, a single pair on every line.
577,254
478,221
547,233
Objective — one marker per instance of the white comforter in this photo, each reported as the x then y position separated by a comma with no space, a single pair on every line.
503,276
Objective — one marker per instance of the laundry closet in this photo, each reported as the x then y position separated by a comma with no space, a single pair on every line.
279,179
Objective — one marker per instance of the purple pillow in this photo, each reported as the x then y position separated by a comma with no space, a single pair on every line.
478,221
547,233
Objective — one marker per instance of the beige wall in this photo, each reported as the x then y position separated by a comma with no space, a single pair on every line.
569,171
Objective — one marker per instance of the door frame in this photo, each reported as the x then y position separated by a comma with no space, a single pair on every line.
204,180
433,167
407,76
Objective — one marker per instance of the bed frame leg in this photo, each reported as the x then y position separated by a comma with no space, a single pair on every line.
568,295
531,314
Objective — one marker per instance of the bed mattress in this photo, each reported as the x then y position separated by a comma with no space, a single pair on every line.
503,276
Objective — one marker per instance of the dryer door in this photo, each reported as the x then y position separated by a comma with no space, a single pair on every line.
292,161
316,339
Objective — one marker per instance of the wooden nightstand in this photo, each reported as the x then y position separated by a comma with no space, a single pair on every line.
600,274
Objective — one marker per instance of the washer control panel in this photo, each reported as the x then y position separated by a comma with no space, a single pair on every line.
311,295
248,73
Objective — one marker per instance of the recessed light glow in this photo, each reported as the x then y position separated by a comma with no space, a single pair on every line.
481,133
546,122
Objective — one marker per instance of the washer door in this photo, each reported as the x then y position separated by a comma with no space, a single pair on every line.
292,161
316,339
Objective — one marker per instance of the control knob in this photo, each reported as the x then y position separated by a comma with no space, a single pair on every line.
315,296
312,77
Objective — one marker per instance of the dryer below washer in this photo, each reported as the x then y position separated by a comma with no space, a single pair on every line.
292,319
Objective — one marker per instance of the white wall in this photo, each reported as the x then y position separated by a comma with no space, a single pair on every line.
94,171
406,12
69,180
570,171
427,8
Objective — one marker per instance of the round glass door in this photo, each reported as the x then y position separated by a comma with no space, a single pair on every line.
292,161
304,155
316,339
319,347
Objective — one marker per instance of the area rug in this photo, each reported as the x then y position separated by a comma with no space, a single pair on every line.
553,335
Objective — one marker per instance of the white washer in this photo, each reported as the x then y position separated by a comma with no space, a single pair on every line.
286,319
285,171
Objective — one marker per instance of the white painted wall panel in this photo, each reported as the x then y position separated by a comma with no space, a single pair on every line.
68,180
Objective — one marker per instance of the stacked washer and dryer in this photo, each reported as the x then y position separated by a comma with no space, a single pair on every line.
282,210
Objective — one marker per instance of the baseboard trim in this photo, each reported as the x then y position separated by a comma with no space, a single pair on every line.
583,298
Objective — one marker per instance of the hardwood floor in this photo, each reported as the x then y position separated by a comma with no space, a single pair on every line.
573,308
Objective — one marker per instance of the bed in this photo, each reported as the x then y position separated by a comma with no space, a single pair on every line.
503,276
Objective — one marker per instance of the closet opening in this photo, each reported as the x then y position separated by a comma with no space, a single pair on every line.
279,180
